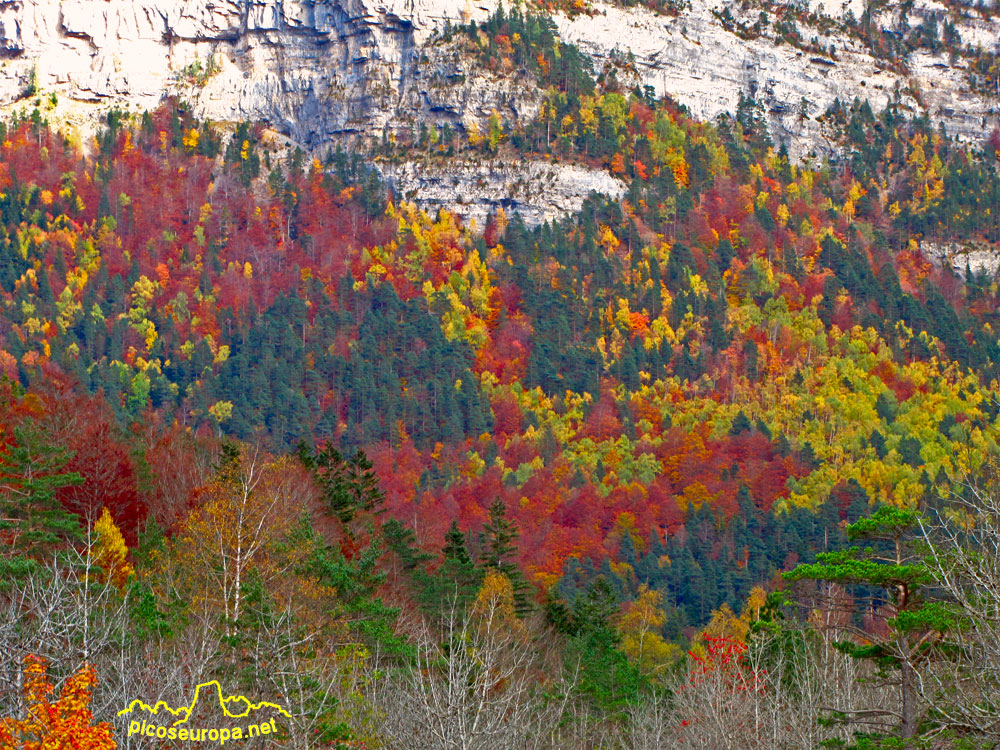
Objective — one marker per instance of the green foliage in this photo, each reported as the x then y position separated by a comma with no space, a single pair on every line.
32,520
356,582
498,543
348,483
454,580
564,66
593,651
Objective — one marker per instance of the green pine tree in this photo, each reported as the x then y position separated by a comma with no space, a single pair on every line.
917,623
458,575
348,483
500,535
32,521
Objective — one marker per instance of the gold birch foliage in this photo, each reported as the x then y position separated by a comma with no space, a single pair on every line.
238,529
640,627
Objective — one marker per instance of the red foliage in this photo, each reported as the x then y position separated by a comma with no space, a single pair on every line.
85,427
993,143
178,465
603,422
507,416
506,354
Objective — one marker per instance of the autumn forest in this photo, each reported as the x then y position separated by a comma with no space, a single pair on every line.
714,465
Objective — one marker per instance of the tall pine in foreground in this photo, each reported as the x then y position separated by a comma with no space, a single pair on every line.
915,623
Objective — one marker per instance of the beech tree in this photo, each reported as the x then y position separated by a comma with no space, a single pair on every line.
66,721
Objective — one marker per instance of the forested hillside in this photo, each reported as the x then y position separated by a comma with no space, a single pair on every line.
264,419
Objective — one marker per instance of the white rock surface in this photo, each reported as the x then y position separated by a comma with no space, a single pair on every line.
695,60
538,191
313,68
318,70
962,257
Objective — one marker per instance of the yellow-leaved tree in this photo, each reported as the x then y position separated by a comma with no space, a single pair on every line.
236,537
640,627
111,552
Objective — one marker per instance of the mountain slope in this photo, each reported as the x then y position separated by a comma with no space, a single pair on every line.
320,72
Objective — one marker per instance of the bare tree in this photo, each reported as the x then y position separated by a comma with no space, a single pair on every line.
66,613
770,695
316,678
964,557
477,684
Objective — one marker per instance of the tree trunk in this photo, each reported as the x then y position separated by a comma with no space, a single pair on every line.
908,695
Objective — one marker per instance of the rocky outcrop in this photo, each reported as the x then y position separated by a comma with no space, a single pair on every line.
538,191
319,70
693,58
314,69
964,258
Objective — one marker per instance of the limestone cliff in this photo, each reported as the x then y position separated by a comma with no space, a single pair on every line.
318,70
702,65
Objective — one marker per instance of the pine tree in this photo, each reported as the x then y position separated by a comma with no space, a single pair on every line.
348,484
500,535
916,623
606,676
458,577
454,549
32,521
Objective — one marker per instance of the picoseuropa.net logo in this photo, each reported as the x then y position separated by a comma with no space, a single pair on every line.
166,723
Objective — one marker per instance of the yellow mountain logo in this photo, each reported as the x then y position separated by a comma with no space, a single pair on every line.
169,722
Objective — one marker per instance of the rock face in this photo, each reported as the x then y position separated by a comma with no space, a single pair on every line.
315,70
538,191
312,68
696,60
964,258
318,70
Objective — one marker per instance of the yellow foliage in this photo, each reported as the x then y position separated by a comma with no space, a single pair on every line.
190,139
221,410
725,624
608,240
494,604
474,135
111,551
237,532
639,626
144,288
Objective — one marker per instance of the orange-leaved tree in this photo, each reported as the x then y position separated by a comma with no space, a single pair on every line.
61,723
